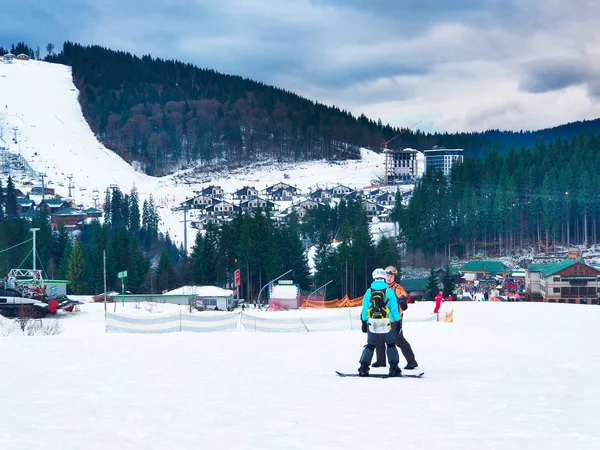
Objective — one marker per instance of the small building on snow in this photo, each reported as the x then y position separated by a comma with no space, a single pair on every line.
207,297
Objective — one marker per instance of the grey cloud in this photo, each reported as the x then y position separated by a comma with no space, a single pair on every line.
594,88
347,52
38,22
552,75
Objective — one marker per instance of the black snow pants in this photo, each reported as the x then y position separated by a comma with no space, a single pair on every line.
392,352
401,343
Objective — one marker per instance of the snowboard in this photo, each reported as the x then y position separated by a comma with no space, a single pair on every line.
415,374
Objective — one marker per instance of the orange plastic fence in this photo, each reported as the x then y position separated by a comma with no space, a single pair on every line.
346,302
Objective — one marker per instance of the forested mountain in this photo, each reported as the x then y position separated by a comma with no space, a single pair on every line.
166,114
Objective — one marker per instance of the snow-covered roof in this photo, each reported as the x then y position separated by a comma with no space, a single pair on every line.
202,291
284,291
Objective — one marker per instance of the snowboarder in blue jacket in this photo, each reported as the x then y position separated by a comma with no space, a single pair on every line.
380,316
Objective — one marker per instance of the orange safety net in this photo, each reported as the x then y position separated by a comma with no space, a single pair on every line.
346,302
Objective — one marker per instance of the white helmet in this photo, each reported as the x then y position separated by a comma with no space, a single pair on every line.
379,274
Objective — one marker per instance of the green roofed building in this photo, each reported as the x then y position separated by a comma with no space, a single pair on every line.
567,281
474,270
415,287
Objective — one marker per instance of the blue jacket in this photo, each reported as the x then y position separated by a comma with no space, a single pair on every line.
390,300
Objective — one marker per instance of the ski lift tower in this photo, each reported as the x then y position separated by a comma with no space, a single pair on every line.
70,178
4,157
43,176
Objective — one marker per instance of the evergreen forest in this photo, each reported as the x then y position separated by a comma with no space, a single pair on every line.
543,197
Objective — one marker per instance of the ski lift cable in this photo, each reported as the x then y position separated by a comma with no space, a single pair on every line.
15,246
42,265
24,259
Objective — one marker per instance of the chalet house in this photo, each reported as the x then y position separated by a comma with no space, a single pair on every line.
300,212
93,212
320,194
386,199
18,192
204,221
37,190
474,270
258,202
220,208
212,191
340,190
22,57
8,58
70,217
568,281
354,195
384,216
199,202
282,185
245,193
282,195
373,209
24,204
303,207
53,205
30,214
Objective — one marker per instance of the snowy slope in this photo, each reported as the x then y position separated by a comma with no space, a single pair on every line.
502,376
40,99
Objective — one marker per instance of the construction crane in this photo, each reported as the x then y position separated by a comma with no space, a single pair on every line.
385,148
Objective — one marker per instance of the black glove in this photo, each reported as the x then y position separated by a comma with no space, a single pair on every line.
398,326
403,303
365,326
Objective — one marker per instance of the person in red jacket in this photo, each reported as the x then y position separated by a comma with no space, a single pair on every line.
438,303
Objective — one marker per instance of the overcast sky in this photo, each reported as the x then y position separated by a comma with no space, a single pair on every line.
455,65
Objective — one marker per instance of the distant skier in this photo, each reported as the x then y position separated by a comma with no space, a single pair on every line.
438,303
401,342
380,316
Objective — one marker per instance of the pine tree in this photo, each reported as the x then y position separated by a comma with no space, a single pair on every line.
137,269
76,270
198,260
1,202
165,276
448,282
134,213
324,264
10,201
63,268
432,288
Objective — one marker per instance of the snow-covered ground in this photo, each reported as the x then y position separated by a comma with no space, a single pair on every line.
40,100
502,376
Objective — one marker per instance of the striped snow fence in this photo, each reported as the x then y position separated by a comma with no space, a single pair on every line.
117,323
341,322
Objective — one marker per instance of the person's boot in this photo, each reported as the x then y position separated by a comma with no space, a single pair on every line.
395,370
363,370
378,364
411,365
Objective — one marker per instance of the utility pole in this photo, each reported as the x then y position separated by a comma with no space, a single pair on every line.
42,176
33,230
104,264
